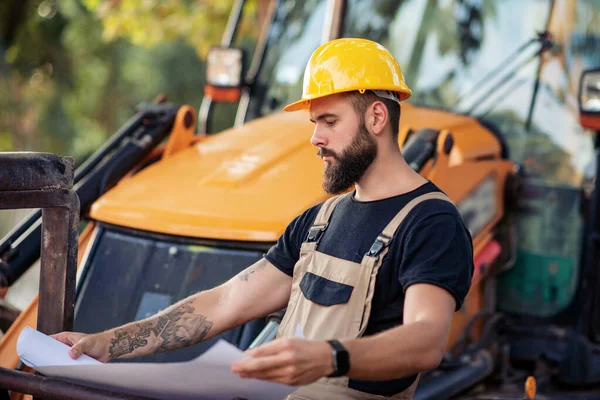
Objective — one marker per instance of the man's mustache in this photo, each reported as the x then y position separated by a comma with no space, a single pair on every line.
326,152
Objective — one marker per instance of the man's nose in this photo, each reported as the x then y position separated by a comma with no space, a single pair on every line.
318,139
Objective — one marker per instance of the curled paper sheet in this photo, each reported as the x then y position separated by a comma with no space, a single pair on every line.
205,377
39,350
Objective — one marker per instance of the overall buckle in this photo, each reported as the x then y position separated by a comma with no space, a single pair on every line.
315,233
381,243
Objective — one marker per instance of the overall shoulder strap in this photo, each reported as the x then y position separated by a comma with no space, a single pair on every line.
384,239
322,220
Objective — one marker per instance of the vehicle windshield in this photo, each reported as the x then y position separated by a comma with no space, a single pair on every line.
296,32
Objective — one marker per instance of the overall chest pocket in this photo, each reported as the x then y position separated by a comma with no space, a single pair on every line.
324,291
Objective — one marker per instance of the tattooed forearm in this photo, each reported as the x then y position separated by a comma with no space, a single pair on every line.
123,343
177,328
182,328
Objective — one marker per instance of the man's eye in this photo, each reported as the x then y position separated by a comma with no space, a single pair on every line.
330,123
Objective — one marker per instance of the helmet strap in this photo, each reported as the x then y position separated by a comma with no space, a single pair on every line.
387,94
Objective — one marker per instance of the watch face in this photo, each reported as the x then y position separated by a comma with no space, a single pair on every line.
341,358
343,362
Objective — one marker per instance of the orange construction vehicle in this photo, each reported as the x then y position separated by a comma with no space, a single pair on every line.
504,119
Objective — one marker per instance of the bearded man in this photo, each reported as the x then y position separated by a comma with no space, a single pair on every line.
372,275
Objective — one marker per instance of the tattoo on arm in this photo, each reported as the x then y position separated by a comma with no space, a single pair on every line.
175,329
245,274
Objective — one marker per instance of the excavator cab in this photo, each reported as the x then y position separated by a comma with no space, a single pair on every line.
502,118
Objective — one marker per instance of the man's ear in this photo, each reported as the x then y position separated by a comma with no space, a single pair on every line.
379,117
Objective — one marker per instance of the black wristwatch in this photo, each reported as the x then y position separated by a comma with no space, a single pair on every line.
341,359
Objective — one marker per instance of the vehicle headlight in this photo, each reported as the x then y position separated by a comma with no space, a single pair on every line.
224,67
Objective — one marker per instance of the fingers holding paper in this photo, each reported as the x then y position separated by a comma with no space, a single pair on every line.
291,361
94,346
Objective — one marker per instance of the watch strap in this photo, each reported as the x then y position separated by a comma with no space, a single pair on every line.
341,359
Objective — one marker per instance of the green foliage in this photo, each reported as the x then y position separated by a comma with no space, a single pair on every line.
152,22
76,69
5,141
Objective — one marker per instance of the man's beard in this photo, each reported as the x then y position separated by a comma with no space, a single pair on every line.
351,164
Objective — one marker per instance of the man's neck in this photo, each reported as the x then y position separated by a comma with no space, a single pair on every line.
389,175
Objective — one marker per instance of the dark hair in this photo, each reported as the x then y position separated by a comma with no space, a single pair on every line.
360,103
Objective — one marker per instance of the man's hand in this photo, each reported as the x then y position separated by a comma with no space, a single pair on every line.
291,361
95,346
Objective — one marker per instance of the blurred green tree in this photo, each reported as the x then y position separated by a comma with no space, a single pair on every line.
152,22
72,72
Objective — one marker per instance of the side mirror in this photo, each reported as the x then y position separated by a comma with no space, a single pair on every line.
224,74
589,99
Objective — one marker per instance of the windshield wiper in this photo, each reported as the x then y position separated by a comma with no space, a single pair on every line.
545,41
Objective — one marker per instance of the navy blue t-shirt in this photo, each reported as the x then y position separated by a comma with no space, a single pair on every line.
432,246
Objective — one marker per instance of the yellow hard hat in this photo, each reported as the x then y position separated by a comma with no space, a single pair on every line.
348,64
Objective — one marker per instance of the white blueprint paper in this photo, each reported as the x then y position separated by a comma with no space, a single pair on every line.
37,349
205,377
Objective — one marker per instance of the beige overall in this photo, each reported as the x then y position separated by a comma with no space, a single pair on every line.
347,315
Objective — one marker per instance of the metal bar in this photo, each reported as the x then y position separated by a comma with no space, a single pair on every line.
37,198
261,44
204,114
232,23
55,389
538,74
34,171
58,272
242,110
334,19
255,64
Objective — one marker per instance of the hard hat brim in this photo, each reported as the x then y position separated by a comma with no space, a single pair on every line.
304,104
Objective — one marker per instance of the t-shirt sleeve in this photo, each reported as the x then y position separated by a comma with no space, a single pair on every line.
439,251
286,252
